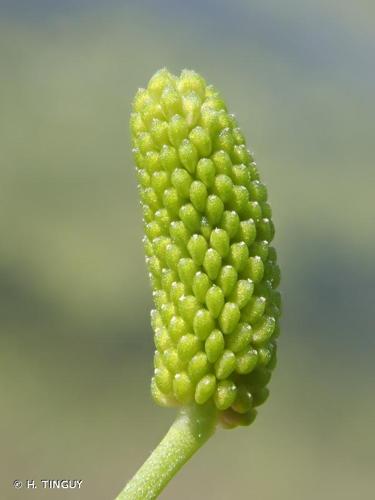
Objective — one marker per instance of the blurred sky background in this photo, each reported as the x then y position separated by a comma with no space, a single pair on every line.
76,343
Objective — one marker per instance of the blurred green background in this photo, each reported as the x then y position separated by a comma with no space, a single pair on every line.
76,344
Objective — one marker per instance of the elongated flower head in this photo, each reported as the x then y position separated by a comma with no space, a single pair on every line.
208,231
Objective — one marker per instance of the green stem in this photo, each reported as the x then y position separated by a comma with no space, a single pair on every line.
190,430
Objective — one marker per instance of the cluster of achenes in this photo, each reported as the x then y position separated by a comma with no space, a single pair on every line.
208,231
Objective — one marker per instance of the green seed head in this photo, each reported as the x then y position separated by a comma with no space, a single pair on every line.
208,231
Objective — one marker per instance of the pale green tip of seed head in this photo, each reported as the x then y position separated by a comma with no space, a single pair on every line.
208,228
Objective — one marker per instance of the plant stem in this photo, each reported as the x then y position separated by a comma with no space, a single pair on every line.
190,430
